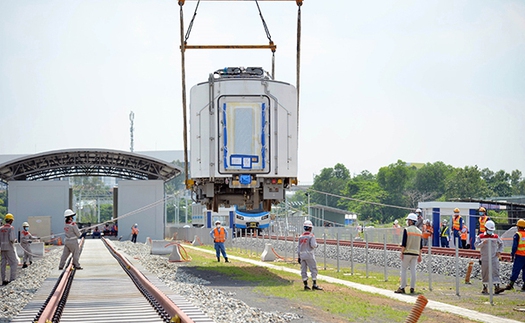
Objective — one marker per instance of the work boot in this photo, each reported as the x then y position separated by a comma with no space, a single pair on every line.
5,282
400,291
485,290
315,287
78,268
523,288
509,285
498,290
411,291
226,259
24,265
306,285
218,259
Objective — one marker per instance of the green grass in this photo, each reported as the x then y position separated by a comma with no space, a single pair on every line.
270,282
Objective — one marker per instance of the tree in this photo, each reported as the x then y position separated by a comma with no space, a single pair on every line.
365,190
466,183
331,180
396,179
429,181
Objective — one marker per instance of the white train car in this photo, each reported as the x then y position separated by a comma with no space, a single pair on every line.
243,139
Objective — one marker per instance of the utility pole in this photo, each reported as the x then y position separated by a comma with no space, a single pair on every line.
131,117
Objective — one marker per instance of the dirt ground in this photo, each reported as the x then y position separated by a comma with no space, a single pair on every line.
244,290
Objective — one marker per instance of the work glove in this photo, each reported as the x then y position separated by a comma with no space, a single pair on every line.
299,261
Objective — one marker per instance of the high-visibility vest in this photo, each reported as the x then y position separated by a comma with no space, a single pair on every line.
444,231
135,230
219,235
521,244
413,240
455,223
427,231
464,233
482,220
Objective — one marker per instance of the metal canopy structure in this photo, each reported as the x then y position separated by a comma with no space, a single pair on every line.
87,162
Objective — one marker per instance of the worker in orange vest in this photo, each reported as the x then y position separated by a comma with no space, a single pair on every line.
483,218
428,231
464,237
219,236
457,226
518,256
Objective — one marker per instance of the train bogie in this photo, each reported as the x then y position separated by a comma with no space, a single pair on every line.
243,139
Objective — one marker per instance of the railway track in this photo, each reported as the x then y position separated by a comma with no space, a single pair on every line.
109,289
451,252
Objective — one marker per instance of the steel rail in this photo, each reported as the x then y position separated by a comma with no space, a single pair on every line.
176,313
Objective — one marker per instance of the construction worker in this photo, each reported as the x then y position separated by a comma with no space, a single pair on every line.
410,253
397,231
306,256
71,246
25,242
464,237
444,234
134,232
457,226
7,246
419,223
428,231
518,256
219,236
489,242
483,218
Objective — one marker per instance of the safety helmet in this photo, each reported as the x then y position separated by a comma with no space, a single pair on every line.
490,225
68,212
445,221
135,225
219,222
9,216
482,209
396,222
426,221
520,223
412,217
456,210
308,223
419,211
25,224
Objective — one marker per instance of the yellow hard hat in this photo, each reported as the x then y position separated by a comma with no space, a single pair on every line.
9,216
520,223
456,210
482,209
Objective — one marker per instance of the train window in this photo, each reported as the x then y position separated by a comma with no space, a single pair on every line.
244,134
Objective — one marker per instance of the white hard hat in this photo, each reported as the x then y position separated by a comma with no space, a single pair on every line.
490,225
412,217
426,221
217,221
445,221
68,212
308,223
419,211
396,221
25,224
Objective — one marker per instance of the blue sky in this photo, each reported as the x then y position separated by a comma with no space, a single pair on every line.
420,81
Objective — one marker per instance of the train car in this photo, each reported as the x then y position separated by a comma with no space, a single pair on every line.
243,139
251,221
